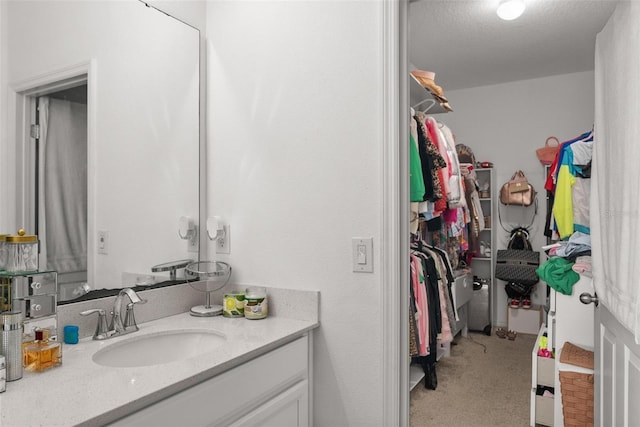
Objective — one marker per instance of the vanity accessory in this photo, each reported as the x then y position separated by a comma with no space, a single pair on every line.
213,276
42,354
255,306
22,252
3,374
11,343
118,325
3,251
5,294
171,267
233,303
186,228
28,338
71,334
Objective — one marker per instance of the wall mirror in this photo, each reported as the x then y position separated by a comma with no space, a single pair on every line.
137,171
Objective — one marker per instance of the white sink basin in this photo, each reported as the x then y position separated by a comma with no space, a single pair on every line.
158,348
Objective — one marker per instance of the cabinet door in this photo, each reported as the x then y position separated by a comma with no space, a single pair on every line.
289,409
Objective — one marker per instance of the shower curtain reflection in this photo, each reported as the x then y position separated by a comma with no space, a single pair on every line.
62,197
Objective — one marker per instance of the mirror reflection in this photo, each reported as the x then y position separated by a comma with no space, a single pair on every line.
111,169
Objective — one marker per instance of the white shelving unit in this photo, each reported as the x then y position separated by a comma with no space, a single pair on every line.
568,321
483,266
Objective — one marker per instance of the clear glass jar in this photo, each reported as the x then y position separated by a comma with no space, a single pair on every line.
233,304
22,252
255,303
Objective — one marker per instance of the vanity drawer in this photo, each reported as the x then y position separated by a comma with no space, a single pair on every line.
35,284
544,410
36,306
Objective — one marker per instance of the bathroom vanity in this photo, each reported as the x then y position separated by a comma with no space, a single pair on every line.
259,373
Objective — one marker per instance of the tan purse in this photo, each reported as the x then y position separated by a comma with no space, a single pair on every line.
517,191
547,154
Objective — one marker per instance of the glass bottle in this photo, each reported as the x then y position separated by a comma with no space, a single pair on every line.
42,354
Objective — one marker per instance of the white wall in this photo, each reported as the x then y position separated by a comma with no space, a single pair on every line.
294,165
505,124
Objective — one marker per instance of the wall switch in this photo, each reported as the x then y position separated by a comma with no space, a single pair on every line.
103,242
362,254
223,244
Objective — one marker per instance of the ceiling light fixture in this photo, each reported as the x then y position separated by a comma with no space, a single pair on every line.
510,9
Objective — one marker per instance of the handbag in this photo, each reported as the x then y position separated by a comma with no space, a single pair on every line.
517,191
547,154
518,266
518,263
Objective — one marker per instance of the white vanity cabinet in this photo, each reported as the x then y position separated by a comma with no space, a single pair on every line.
270,390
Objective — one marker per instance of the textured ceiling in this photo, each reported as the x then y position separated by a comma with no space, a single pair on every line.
467,45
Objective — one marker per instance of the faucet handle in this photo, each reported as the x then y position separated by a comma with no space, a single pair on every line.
101,327
129,318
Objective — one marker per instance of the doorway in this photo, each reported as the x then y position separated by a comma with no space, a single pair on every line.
59,199
52,155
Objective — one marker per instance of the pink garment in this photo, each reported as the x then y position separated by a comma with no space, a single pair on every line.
422,314
446,335
442,149
583,265
450,216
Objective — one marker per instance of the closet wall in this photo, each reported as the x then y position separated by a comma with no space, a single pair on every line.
506,123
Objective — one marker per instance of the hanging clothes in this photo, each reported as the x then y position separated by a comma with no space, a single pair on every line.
568,181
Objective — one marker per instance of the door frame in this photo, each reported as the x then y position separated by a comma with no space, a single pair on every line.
394,289
22,95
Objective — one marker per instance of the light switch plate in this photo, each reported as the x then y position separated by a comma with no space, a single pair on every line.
362,254
103,242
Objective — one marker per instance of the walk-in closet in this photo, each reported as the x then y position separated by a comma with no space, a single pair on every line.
503,125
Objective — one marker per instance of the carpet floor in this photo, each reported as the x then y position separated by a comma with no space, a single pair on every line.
486,381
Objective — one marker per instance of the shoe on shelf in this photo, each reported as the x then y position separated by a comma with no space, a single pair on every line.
515,303
526,303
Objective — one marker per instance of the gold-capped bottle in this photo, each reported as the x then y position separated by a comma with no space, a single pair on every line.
42,354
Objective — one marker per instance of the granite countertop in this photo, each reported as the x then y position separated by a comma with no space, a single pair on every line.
81,392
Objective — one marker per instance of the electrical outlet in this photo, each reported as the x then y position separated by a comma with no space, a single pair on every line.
103,242
193,244
223,245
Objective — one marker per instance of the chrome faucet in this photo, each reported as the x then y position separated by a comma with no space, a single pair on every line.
128,324
118,326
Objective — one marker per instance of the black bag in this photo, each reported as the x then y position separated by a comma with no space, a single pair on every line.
518,263
518,290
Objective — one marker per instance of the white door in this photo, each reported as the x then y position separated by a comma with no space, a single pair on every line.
614,219
617,373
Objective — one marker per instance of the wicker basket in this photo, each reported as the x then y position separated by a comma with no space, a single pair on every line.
577,398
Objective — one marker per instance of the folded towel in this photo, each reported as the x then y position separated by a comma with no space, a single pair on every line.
558,274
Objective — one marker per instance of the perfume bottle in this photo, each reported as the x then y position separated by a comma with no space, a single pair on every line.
42,354
28,339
